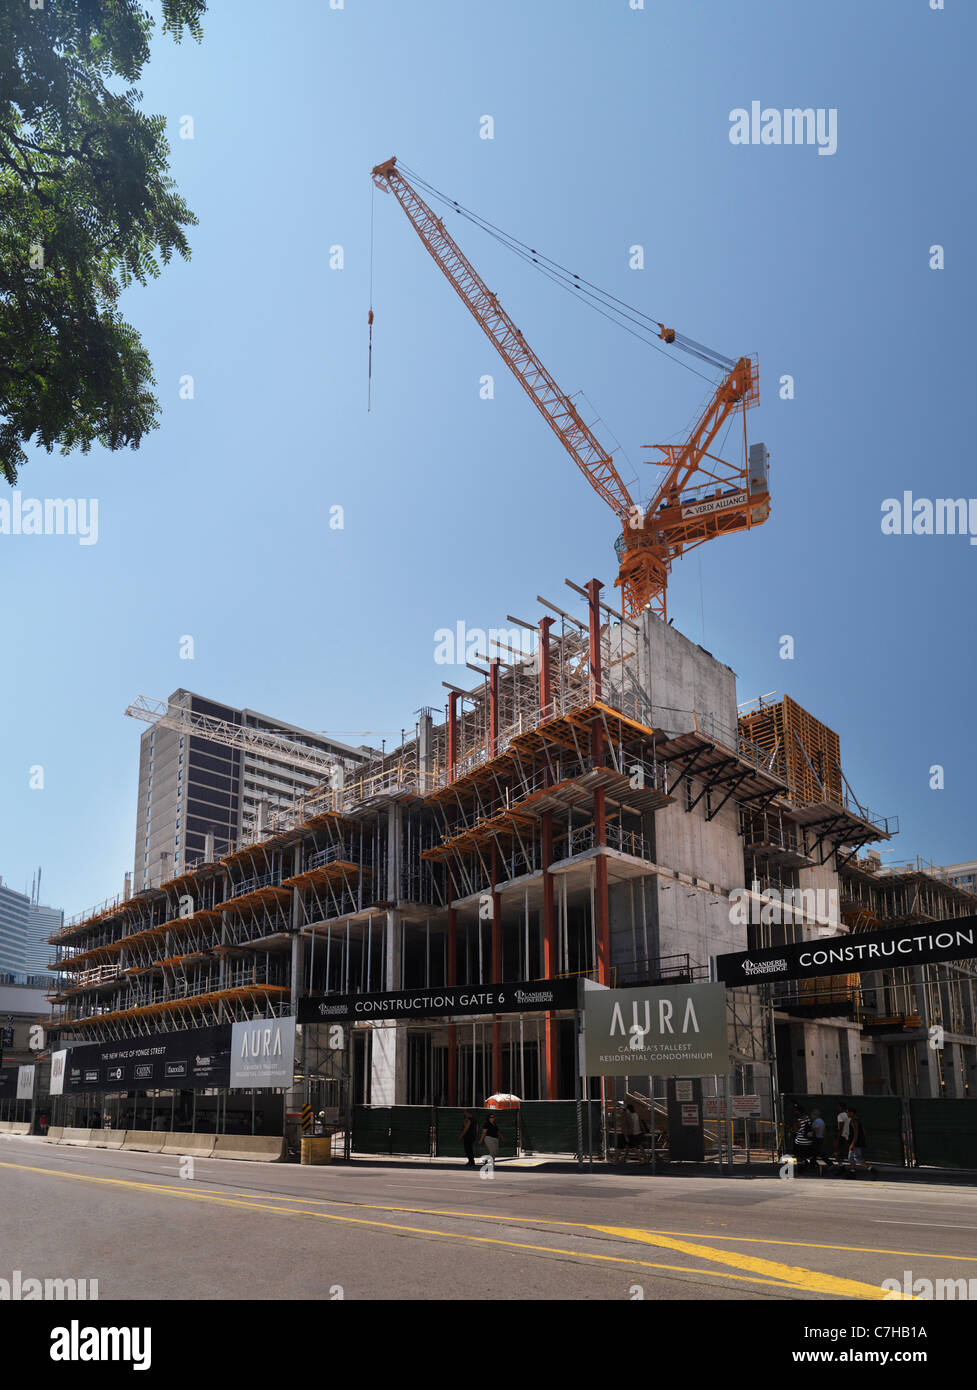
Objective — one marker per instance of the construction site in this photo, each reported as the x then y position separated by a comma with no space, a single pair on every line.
600,807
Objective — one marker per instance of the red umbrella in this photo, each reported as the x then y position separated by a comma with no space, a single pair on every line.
502,1101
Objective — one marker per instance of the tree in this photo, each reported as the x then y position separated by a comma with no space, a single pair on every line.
87,206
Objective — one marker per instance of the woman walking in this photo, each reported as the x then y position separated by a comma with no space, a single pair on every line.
490,1137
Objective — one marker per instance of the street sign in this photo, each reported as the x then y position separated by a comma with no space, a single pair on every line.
442,1001
745,1105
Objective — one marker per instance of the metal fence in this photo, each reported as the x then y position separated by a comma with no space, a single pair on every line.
911,1132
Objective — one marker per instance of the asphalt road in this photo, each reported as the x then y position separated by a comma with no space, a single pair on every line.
246,1230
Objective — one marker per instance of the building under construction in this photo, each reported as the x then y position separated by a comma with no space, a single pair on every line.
595,808
600,809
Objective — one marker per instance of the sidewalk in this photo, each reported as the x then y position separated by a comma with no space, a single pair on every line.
567,1163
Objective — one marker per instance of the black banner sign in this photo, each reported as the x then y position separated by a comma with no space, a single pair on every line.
441,1001
191,1060
8,1083
954,939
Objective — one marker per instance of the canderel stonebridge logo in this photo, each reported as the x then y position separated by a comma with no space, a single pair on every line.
764,967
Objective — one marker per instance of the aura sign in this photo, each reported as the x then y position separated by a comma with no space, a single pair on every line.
263,1053
674,1030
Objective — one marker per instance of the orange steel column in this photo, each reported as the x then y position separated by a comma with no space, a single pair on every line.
551,1053
452,1027
452,917
601,902
452,734
496,972
593,595
491,750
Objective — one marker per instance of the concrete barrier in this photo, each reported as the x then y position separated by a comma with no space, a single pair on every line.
79,1137
20,1127
5,1126
108,1138
260,1148
193,1145
54,1134
147,1141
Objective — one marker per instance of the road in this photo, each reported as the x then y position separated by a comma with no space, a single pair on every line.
245,1230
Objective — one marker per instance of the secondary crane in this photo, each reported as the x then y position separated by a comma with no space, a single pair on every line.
700,495
304,757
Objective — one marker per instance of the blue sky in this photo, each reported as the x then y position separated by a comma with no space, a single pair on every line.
611,128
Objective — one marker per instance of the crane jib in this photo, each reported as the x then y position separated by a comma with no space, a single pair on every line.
556,407
645,552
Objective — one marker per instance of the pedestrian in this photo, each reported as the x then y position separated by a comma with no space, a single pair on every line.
632,1129
802,1135
818,1128
490,1137
841,1131
857,1140
467,1137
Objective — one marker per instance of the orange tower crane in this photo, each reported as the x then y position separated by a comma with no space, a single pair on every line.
700,496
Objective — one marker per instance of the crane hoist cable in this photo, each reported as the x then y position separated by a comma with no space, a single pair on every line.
369,319
596,298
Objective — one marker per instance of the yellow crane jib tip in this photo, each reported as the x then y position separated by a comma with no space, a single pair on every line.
667,335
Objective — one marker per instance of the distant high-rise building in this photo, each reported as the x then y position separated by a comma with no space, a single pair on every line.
24,930
190,786
961,875
14,908
42,923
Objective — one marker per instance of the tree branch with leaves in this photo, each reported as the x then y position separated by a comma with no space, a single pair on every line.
87,207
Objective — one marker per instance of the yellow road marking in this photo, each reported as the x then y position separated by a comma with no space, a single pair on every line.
393,1226
809,1279
580,1225
769,1272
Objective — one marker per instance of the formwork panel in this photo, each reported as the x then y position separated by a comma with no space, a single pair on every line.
812,751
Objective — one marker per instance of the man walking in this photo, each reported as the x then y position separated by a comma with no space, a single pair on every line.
467,1137
857,1137
841,1132
632,1131
817,1126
